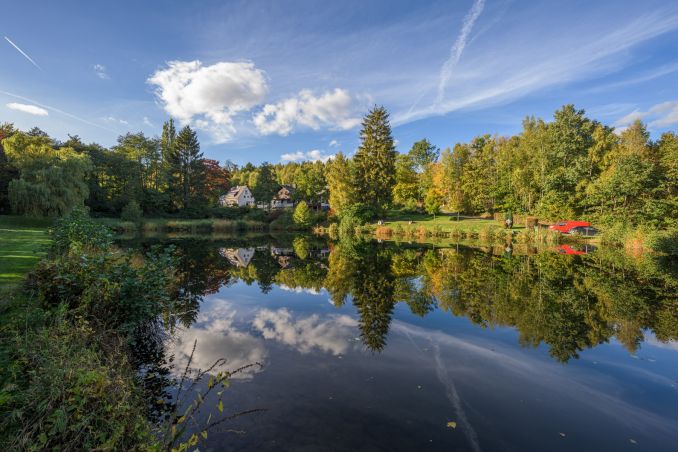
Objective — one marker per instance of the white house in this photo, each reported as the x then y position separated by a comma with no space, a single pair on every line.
283,199
239,196
239,257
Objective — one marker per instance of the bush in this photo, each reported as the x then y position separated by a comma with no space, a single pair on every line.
65,393
77,231
333,231
360,213
347,226
531,222
302,215
107,290
665,242
257,215
131,212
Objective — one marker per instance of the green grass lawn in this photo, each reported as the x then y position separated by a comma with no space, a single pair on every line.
23,242
445,221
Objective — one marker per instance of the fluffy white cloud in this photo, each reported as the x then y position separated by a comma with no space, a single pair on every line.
27,108
334,144
299,156
218,338
209,96
148,122
333,109
305,334
100,71
662,115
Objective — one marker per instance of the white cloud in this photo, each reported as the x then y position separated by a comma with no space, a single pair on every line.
305,334
333,109
313,155
458,47
148,122
57,110
113,119
209,96
100,71
660,115
218,338
26,108
334,144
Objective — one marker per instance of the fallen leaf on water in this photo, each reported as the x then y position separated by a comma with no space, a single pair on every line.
633,441
452,424
562,434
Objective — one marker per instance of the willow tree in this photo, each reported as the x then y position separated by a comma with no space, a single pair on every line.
51,181
375,161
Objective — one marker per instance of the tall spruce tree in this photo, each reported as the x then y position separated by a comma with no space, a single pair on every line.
375,161
186,167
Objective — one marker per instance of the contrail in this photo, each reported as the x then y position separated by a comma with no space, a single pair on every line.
23,53
453,397
458,47
16,96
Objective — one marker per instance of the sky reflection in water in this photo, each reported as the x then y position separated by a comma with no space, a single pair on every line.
326,386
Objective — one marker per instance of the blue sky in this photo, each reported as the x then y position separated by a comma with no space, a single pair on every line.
279,81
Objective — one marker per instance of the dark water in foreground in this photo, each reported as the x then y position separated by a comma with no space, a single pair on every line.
369,346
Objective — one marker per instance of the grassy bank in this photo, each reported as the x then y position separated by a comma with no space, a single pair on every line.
198,226
23,242
408,226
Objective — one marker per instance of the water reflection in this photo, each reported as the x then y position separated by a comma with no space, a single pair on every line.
377,346
568,302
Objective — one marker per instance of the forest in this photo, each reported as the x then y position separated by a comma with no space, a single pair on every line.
569,167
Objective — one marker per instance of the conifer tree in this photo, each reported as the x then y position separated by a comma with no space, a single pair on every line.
186,167
375,160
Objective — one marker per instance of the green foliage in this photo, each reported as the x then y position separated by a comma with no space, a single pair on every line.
262,183
131,212
433,202
302,215
77,231
64,392
375,161
341,183
186,169
51,181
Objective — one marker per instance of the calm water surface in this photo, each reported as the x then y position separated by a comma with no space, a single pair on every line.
368,346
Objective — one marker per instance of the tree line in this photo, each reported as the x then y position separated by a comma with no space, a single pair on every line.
570,167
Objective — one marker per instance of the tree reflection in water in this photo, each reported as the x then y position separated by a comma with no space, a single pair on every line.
569,303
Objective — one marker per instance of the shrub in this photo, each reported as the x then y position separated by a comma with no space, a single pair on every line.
302,215
531,222
131,212
665,242
77,231
257,215
333,231
360,213
383,231
347,226
109,291
65,393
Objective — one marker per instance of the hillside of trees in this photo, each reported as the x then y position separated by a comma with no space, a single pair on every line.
570,167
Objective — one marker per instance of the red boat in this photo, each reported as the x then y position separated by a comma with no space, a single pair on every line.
566,226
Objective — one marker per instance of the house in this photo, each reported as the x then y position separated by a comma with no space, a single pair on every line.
283,198
239,257
238,196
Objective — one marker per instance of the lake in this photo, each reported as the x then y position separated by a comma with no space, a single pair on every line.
403,347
